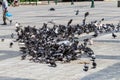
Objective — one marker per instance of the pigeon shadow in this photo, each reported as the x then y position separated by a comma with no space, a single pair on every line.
11,78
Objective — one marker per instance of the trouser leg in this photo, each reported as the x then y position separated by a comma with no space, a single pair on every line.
4,17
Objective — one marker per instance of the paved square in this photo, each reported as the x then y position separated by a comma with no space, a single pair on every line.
106,49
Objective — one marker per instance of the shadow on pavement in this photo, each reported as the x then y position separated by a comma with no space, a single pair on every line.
109,73
117,57
11,78
8,54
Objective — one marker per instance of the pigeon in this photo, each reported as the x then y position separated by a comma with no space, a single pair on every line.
23,57
2,40
93,57
52,63
84,21
94,65
86,40
90,42
77,12
52,9
52,22
114,35
17,24
11,44
12,35
86,67
102,19
86,14
10,22
95,35
70,21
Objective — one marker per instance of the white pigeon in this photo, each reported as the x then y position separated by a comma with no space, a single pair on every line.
17,24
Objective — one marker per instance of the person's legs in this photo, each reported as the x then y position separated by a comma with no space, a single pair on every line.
4,18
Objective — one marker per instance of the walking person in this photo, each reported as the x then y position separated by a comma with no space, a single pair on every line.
5,10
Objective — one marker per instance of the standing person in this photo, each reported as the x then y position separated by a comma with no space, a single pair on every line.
5,10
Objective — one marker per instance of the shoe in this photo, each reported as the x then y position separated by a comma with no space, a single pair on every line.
10,21
4,24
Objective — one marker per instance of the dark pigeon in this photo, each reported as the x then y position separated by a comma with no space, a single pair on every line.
11,44
77,12
114,35
52,9
12,35
2,40
86,14
70,21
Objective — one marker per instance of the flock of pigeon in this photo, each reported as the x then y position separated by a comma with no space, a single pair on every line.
58,43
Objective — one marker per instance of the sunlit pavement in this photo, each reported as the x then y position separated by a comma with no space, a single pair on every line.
105,47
